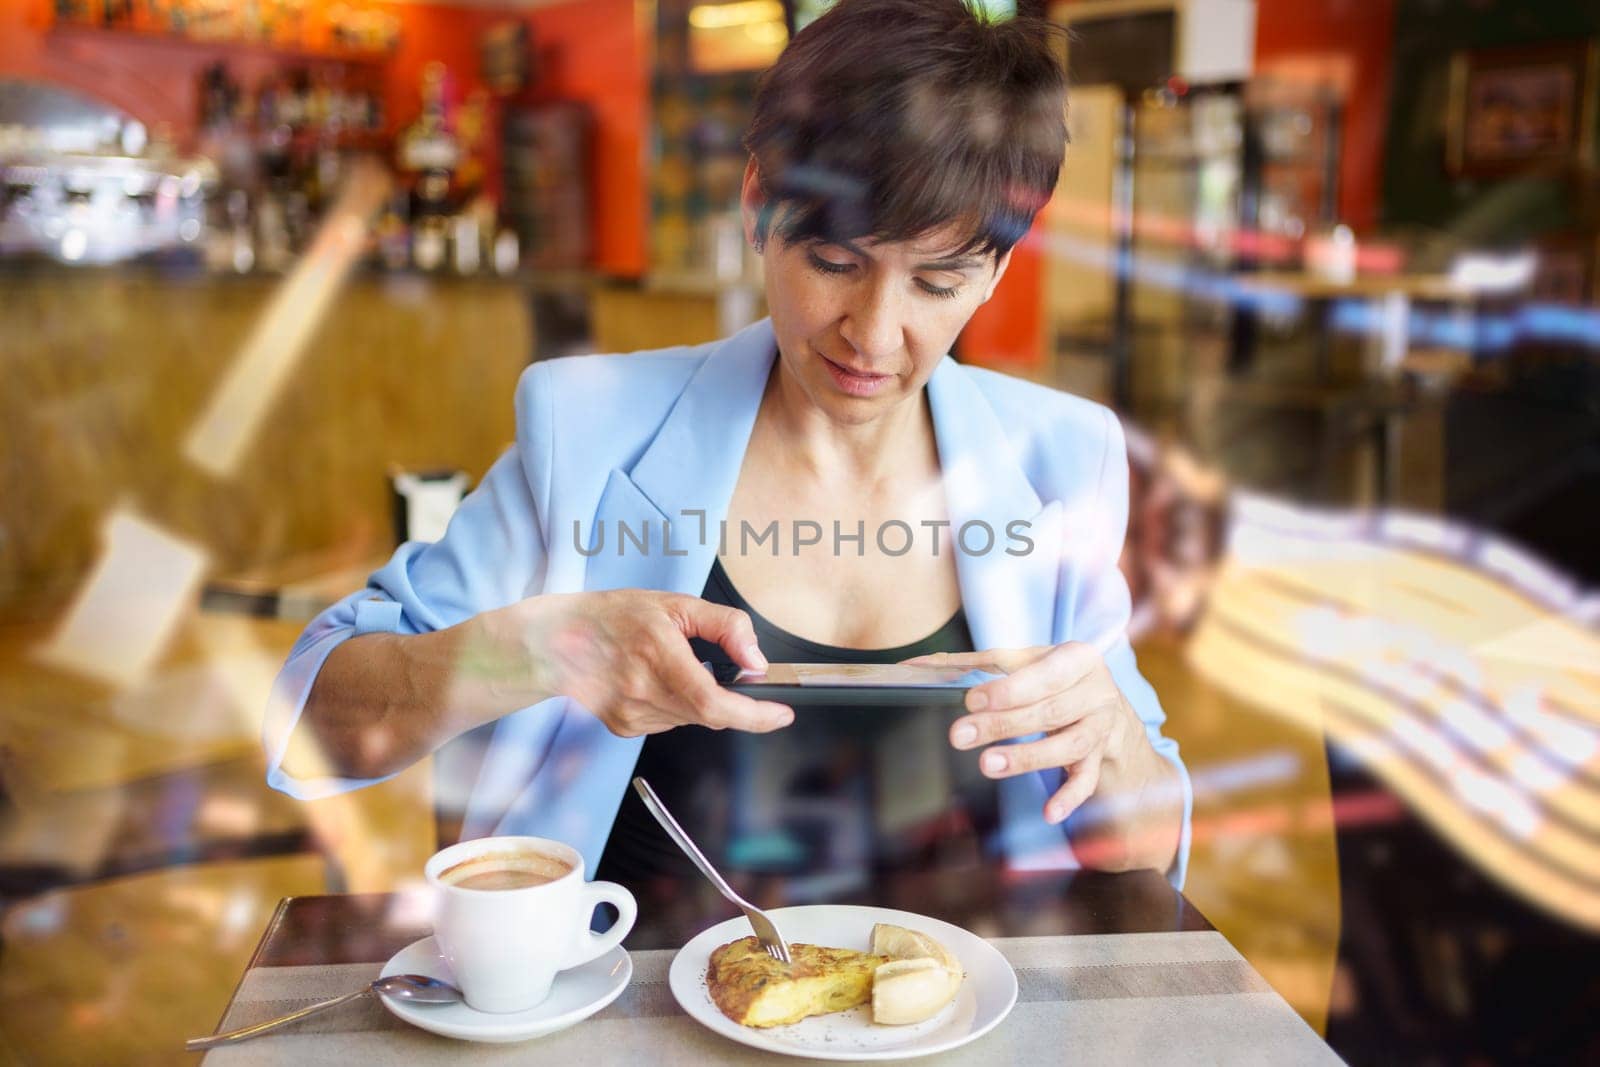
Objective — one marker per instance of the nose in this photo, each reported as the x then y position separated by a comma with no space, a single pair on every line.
872,324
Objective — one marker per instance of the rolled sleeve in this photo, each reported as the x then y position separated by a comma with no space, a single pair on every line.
292,690
375,615
371,610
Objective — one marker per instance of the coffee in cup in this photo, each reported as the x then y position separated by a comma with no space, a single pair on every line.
506,870
513,912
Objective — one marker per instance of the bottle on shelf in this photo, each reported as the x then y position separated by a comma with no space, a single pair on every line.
427,145
429,150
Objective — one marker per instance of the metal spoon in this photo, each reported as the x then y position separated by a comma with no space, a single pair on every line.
417,987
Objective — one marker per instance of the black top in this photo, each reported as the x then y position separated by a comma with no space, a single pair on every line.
839,795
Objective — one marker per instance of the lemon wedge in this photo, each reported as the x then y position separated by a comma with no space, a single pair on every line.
910,991
921,977
900,943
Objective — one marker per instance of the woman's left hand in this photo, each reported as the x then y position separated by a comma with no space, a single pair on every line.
1065,692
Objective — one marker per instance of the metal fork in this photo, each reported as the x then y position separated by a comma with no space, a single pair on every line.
766,930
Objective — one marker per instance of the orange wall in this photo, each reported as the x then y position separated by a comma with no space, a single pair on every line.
1345,44
1005,333
591,50
598,51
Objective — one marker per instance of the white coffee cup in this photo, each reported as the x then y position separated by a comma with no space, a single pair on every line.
505,946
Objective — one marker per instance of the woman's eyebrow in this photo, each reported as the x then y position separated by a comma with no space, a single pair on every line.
946,263
952,263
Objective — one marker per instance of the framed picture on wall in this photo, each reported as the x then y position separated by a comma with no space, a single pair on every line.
1511,108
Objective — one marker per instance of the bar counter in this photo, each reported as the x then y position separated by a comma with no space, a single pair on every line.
110,368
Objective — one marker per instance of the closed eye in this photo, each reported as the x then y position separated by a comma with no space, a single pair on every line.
942,291
828,266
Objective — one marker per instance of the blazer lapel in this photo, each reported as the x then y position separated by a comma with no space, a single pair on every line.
676,495
1009,591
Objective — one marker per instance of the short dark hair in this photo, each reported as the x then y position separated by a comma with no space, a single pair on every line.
888,119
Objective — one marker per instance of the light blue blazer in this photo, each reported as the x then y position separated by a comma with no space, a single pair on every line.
655,437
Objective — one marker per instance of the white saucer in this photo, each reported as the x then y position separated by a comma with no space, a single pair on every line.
985,998
576,995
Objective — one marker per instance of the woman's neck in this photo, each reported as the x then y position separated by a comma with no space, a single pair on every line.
864,454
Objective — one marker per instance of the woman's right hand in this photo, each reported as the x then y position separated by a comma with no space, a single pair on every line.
624,654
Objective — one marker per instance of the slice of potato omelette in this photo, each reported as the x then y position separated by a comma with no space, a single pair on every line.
753,989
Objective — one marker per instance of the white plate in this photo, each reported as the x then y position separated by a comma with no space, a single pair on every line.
985,998
576,995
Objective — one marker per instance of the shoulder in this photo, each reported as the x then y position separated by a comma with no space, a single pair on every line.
1039,404
597,411
637,377
604,397
1071,450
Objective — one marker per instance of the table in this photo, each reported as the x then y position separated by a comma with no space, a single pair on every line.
1391,361
1115,968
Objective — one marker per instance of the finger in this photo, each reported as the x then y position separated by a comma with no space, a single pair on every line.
728,627
1055,712
987,727
715,706
1056,671
1062,749
1082,781
755,716
746,714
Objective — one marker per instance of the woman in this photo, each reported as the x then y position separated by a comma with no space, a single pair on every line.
899,149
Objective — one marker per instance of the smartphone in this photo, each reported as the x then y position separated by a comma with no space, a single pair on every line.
847,684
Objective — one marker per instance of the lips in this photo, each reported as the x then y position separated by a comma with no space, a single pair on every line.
869,375
854,383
